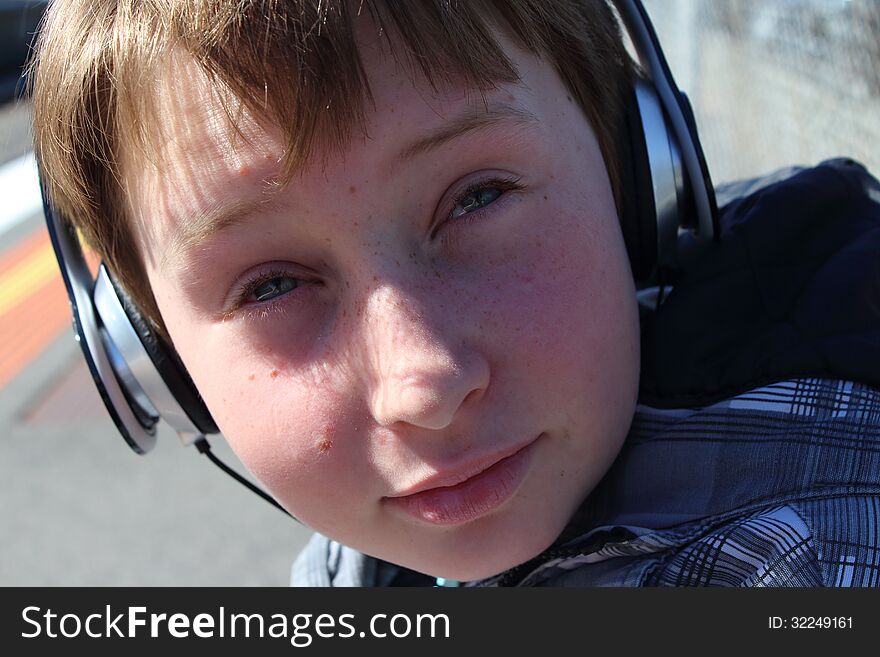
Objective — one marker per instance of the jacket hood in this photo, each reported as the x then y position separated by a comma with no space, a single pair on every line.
792,289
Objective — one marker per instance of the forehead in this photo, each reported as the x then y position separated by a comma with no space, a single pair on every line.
211,151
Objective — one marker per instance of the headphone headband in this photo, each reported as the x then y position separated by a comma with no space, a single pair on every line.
679,115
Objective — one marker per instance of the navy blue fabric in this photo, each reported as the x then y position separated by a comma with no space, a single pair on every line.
792,289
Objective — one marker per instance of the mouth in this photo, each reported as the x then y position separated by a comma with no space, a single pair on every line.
468,493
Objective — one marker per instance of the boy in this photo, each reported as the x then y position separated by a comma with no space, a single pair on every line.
384,241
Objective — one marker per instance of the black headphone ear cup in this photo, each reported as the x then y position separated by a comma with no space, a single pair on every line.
167,363
638,213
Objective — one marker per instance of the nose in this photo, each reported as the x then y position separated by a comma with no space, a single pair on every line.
421,369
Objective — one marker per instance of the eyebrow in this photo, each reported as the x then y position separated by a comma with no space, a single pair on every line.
469,121
205,225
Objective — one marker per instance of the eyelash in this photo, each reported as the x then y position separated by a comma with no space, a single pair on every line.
260,309
505,184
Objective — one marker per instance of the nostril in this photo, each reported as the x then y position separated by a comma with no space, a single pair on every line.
472,397
428,402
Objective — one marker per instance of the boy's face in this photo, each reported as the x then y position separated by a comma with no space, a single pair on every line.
426,349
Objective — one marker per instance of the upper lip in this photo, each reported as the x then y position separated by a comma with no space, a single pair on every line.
453,476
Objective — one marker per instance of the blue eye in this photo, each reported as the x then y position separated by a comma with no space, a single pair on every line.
475,199
479,195
269,288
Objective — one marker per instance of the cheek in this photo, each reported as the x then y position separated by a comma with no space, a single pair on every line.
302,442
566,296
295,432
566,341
266,413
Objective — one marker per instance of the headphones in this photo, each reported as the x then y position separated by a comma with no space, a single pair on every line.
666,191
666,188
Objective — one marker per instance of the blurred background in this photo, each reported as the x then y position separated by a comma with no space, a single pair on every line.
776,83
772,83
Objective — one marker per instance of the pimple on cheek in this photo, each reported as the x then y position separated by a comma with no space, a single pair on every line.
324,441
273,374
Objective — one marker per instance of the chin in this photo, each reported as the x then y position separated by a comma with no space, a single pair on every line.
468,558
466,570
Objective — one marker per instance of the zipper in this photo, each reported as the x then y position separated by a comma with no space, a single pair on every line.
516,575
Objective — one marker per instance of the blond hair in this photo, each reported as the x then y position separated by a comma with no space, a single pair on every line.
293,62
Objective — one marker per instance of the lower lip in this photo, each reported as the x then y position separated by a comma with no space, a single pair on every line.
471,499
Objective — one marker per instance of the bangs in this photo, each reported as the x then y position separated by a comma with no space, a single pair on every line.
297,64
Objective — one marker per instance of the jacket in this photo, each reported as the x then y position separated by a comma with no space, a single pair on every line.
753,458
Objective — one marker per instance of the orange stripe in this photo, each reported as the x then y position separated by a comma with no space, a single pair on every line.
23,250
29,350
28,276
28,329
92,260
31,326
29,245
47,302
